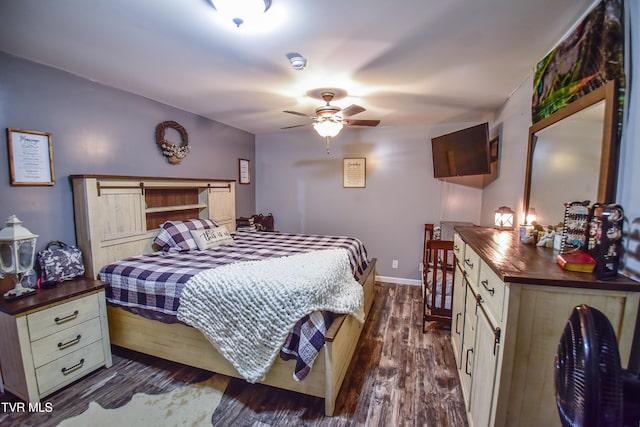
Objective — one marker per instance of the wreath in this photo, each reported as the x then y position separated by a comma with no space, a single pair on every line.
174,152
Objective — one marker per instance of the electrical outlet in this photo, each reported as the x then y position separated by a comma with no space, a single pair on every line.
394,263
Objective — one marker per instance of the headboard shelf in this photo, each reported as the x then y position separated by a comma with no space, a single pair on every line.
174,208
127,210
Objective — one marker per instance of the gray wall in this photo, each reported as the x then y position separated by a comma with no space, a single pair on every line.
302,186
100,130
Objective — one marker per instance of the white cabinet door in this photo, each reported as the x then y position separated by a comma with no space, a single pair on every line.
468,344
484,372
457,321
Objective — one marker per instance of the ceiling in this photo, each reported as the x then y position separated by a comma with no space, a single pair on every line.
407,62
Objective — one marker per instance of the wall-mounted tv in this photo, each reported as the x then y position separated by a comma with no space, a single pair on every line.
461,153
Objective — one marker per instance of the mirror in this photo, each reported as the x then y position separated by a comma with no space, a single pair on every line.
572,156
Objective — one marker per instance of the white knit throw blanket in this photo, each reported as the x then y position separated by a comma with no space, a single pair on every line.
247,309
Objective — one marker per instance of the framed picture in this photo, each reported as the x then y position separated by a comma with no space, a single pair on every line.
493,147
30,157
244,171
354,172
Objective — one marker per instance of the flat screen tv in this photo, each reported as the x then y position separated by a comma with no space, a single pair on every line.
461,153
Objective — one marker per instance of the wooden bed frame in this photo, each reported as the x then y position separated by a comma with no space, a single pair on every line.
112,214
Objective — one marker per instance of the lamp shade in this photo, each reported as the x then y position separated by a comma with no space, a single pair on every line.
503,219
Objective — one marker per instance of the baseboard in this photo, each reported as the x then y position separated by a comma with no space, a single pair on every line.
398,280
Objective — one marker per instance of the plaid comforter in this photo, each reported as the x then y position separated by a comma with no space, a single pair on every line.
154,282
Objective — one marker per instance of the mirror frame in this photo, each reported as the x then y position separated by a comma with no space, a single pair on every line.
609,153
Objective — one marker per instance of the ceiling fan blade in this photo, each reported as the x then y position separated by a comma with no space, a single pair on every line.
291,127
296,113
362,122
352,110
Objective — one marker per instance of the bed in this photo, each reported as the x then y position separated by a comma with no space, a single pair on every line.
118,218
437,277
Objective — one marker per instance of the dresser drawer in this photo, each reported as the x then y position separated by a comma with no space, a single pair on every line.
63,316
492,291
458,247
66,369
471,265
64,342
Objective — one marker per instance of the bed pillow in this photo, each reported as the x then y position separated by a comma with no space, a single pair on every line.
210,238
175,236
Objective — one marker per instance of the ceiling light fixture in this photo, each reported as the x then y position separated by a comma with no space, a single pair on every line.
241,10
328,127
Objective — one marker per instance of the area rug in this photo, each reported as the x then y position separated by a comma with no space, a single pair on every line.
192,405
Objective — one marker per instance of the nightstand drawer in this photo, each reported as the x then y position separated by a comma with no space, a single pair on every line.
63,316
64,342
66,369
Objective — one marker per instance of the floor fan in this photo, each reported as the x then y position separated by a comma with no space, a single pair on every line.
592,389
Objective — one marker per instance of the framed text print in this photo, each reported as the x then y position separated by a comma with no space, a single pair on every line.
30,157
354,173
245,172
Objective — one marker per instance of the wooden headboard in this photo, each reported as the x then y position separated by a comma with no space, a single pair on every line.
118,216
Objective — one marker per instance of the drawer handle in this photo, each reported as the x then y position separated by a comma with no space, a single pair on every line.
67,371
485,284
466,363
456,248
63,345
60,320
468,262
457,319
496,340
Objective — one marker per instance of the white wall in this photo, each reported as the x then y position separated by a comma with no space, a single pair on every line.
512,121
302,186
629,174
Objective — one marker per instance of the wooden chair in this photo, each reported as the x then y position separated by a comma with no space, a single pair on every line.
438,267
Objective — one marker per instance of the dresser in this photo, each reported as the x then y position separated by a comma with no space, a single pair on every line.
511,303
53,338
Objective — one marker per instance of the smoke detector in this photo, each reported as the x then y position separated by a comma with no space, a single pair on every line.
297,61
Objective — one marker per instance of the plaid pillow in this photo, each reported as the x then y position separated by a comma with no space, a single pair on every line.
175,236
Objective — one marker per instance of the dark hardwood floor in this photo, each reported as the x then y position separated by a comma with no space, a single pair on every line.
399,377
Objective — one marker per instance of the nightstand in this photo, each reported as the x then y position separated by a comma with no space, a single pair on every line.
53,338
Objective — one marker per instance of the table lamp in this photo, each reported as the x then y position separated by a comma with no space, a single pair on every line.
503,219
17,255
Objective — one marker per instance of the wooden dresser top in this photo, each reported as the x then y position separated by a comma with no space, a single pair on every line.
516,262
43,297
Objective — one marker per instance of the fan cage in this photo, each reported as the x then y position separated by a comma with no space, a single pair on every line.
588,374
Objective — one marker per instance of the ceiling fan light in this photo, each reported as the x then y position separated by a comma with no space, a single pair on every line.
328,128
240,11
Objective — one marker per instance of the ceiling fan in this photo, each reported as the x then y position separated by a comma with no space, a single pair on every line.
330,119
